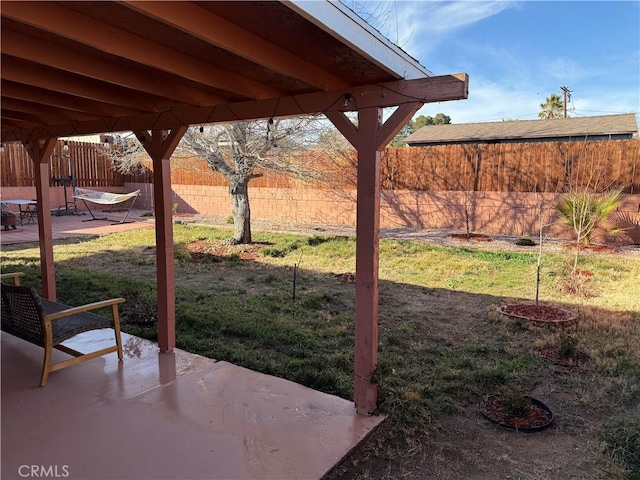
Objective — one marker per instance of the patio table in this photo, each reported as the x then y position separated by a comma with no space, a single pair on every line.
26,209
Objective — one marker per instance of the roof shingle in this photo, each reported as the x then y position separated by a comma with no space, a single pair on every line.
525,129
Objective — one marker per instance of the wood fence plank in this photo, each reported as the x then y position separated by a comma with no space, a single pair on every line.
488,167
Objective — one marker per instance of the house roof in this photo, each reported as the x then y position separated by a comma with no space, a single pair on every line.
83,67
525,129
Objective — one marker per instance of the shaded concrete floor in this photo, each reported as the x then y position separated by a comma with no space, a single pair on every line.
166,416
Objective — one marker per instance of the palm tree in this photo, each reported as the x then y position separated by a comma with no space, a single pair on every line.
552,108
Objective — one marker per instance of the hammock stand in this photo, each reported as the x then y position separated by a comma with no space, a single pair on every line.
105,198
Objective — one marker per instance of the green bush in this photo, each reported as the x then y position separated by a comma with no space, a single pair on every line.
568,345
525,242
515,402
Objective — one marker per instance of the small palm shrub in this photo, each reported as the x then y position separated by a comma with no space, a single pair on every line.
584,210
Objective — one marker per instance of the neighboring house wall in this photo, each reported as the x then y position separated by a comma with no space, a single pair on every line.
495,213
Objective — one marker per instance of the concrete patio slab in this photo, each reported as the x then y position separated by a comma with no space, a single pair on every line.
166,416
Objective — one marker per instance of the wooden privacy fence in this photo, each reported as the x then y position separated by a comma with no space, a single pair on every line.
525,167
86,161
514,167
509,167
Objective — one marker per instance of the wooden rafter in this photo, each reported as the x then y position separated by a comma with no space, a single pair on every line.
48,78
222,33
431,89
43,110
20,91
91,66
72,25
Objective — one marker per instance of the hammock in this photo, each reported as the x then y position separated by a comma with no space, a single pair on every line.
104,198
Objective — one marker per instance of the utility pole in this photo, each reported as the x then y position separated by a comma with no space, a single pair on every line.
567,93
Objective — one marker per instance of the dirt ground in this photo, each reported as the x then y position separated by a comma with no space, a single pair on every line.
446,237
467,445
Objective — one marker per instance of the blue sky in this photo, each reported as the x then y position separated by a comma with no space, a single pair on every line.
519,53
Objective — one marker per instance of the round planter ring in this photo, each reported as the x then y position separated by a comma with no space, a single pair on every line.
541,314
511,422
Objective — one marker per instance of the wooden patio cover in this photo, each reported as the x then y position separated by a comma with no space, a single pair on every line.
155,68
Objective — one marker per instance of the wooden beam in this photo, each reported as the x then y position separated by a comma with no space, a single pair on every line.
389,94
345,126
387,131
398,119
213,29
45,111
160,144
27,117
40,151
17,124
73,25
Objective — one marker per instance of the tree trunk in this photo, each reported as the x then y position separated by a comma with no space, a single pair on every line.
238,189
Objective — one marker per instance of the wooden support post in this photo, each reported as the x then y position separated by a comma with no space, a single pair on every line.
40,151
369,137
160,144
367,254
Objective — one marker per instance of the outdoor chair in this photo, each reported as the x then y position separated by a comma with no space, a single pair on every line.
48,324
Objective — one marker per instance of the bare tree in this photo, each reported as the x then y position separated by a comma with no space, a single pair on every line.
244,151
240,152
545,206
126,154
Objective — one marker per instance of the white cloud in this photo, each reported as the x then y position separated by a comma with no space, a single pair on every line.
437,20
563,69
510,79
493,102
488,102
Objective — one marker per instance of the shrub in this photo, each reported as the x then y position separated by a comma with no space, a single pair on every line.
568,345
584,210
514,401
525,242
578,283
